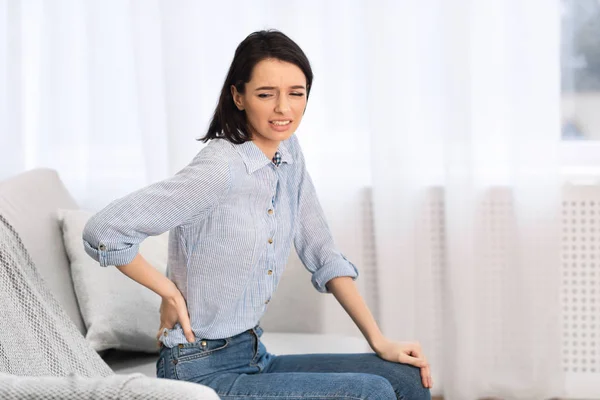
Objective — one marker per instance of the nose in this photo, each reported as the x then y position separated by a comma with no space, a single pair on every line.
282,105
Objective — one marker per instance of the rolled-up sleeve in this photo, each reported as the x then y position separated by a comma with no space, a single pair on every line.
112,236
313,239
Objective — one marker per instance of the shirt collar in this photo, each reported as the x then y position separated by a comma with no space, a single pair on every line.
255,159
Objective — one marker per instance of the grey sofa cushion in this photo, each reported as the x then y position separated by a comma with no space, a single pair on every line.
118,312
29,202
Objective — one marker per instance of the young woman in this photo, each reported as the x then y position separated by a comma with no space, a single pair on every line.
233,214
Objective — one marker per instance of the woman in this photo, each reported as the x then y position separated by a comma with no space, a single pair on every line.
233,214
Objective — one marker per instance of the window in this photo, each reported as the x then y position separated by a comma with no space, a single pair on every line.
580,85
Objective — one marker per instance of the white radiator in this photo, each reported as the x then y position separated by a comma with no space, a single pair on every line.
580,290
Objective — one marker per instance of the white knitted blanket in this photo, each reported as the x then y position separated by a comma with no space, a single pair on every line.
44,356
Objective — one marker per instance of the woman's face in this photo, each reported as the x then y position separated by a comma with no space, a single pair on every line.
274,102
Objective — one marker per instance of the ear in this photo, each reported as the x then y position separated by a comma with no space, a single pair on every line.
238,99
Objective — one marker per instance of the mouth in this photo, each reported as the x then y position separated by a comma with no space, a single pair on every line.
281,122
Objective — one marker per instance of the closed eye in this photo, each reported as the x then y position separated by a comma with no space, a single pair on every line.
267,95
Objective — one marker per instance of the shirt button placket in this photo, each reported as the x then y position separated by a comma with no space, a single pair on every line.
271,250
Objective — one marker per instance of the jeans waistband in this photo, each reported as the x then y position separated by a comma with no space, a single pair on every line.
257,331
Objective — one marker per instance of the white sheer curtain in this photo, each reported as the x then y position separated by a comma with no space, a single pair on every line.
408,96
472,104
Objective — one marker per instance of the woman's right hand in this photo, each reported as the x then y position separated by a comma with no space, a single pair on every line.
173,309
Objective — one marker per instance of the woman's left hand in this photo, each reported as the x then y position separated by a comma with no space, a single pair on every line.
405,353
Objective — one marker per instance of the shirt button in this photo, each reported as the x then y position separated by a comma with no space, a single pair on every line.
270,272
270,241
267,302
102,247
270,211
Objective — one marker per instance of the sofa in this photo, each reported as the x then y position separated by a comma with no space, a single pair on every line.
30,202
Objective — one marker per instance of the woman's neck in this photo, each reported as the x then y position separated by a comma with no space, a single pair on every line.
268,147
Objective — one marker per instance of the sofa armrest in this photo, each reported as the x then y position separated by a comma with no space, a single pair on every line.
133,386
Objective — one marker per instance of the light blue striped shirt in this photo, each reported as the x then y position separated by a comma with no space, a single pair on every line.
232,216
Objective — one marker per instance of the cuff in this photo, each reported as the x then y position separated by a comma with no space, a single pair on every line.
105,255
327,272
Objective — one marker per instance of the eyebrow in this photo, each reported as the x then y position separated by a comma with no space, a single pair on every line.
273,87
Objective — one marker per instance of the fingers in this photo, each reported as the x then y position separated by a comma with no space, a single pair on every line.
184,321
426,377
415,350
413,355
173,310
420,363
158,335
423,365
189,334
416,358
415,361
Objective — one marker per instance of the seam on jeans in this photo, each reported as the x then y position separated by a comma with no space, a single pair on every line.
254,361
161,365
171,365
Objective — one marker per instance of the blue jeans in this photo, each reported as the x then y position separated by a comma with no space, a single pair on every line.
240,367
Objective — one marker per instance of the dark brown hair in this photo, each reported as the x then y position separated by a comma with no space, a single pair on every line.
228,121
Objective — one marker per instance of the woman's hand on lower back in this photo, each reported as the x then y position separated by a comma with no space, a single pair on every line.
173,309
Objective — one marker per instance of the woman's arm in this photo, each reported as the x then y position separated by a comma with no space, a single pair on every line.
145,274
346,293
112,236
312,237
332,272
173,306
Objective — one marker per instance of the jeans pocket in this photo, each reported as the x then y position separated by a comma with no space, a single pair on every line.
199,349
194,360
